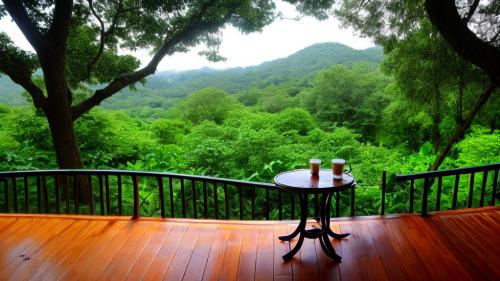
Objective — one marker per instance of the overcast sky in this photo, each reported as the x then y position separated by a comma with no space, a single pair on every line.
277,40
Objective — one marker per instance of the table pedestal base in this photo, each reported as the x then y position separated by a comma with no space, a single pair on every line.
322,233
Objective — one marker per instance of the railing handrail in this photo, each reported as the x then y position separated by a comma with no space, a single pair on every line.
450,172
76,188
429,178
52,172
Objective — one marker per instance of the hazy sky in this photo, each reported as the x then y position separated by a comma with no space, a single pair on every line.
277,40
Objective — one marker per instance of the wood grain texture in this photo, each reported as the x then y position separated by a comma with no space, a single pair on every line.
457,245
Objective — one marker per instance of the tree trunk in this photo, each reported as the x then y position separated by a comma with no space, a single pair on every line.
64,139
445,17
436,120
461,129
61,124
459,119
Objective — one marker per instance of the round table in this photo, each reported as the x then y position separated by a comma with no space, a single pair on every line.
303,183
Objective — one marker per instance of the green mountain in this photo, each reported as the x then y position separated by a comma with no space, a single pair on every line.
164,88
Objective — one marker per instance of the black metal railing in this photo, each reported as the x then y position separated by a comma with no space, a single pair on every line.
426,181
140,193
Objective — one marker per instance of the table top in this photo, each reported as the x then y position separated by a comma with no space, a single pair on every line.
302,181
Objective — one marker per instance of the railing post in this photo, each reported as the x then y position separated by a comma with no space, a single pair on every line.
205,199
193,187
162,196
26,195
412,194
216,201
75,195
455,192
120,206
14,189
108,200
226,203
58,195
91,196
425,196
493,191
6,194
183,199
438,196
483,188
240,197
39,195
66,191
384,186
253,203
135,180
101,194
471,191
171,189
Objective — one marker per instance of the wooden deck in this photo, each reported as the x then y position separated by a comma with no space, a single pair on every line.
459,245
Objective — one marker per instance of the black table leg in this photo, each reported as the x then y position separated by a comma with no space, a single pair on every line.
336,236
303,219
323,233
325,226
301,229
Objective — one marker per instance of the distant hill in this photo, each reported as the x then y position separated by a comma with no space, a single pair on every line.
165,87
10,93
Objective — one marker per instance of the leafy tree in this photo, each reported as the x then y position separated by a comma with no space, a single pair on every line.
295,119
403,123
209,104
472,30
76,42
274,99
348,97
169,131
428,72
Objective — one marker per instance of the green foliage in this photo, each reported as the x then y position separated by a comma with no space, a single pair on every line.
348,97
33,129
9,52
274,99
209,104
169,131
248,145
295,119
478,148
82,48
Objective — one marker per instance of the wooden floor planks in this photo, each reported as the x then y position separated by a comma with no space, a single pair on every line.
461,245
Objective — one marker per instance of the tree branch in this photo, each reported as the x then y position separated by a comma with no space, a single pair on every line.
126,79
195,27
119,11
104,33
29,28
494,38
462,128
20,73
472,10
444,16
101,42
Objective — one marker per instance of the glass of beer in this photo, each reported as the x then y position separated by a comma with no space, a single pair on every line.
338,168
314,165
